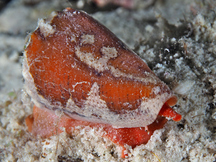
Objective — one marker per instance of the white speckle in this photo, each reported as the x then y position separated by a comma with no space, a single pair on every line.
80,4
66,10
173,40
149,28
200,20
166,50
156,90
73,39
176,55
214,115
128,105
45,28
158,65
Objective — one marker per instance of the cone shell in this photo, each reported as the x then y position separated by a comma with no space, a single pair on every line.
74,64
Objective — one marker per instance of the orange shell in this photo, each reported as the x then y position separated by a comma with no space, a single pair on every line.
74,64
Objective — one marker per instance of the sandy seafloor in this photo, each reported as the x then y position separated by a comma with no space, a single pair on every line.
177,39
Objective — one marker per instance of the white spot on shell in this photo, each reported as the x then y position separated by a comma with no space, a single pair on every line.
45,28
109,52
93,99
150,78
73,38
98,64
87,39
53,14
71,104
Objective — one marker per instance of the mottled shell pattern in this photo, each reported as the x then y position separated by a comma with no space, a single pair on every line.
74,64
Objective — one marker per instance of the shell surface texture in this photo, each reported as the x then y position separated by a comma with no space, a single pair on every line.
74,64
